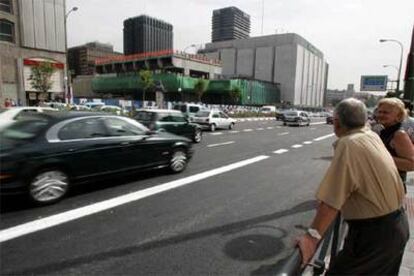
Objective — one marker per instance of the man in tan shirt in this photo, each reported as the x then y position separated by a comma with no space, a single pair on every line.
363,183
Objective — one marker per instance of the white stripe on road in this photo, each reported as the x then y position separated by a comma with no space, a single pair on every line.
220,144
307,142
216,133
47,222
297,146
280,151
324,137
234,131
248,130
269,127
283,133
260,128
317,123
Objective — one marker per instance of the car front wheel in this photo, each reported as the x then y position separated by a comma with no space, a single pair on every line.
48,186
231,126
178,161
197,136
212,127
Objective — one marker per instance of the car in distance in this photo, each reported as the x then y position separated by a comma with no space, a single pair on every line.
214,119
296,117
44,155
172,121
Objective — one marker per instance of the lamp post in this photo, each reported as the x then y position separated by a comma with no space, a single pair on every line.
68,93
401,57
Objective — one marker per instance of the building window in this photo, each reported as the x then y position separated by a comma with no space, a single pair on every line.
6,31
6,6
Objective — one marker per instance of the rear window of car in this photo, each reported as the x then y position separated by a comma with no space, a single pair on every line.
25,129
291,113
202,114
144,116
182,108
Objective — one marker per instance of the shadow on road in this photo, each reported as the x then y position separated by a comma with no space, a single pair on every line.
230,248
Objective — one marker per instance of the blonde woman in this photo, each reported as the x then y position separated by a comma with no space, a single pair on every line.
391,113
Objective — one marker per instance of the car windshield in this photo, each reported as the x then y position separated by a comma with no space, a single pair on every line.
202,114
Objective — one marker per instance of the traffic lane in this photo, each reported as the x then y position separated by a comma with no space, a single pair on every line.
15,212
233,223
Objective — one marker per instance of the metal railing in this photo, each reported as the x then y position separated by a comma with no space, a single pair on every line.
333,239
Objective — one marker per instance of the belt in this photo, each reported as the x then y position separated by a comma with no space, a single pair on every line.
377,220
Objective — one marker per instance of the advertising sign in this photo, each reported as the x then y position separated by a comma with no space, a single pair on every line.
374,83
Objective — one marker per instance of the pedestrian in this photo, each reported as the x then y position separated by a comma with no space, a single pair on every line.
7,103
391,114
362,182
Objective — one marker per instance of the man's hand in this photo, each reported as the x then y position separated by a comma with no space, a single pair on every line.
307,246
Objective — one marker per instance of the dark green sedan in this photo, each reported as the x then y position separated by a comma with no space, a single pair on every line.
172,121
44,155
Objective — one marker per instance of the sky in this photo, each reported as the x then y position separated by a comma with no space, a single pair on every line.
346,31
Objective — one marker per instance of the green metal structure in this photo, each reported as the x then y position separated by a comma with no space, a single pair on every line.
177,87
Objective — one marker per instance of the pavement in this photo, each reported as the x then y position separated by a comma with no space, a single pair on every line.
407,265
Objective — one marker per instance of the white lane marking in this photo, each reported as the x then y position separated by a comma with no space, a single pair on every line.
297,146
280,151
269,127
260,128
248,130
283,133
307,142
216,133
220,144
234,131
324,137
317,123
47,222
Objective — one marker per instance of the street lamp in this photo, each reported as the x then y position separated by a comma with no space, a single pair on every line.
401,56
68,93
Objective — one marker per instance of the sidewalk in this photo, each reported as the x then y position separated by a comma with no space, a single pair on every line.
407,266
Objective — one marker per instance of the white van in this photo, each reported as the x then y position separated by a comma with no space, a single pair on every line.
268,109
189,110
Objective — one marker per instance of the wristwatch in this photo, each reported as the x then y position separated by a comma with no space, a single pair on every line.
314,234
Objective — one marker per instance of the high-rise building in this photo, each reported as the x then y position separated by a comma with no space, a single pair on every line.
146,34
230,23
31,33
81,59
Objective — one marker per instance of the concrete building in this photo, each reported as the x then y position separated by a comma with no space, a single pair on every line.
230,23
333,97
81,59
146,34
287,59
31,32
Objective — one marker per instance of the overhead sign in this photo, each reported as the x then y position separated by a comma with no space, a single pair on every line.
374,83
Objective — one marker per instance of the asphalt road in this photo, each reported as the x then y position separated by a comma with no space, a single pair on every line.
236,210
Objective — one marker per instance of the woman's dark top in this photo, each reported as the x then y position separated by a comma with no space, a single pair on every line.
387,134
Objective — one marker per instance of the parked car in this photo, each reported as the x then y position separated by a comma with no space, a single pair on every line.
172,121
44,155
214,119
296,117
94,105
14,114
112,109
267,109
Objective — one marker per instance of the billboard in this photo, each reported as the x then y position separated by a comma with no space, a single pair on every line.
374,83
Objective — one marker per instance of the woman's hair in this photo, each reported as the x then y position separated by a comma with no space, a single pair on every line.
397,104
351,113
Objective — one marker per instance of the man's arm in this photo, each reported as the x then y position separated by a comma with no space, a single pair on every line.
324,217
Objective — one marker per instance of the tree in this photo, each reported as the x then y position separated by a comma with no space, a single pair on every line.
200,88
41,77
147,83
235,94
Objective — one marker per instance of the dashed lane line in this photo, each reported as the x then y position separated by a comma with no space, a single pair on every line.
54,220
269,127
323,137
234,131
247,130
280,151
260,128
296,146
216,133
220,144
307,142
283,133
